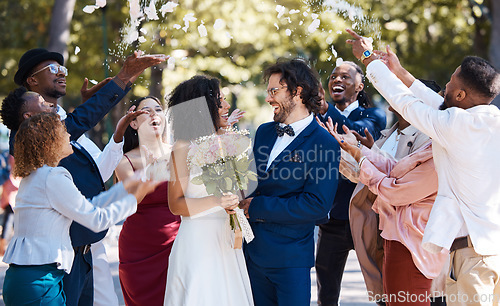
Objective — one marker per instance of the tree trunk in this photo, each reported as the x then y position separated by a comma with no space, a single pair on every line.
62,13
495,39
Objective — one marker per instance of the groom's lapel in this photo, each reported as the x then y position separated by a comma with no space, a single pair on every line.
295,143
265,146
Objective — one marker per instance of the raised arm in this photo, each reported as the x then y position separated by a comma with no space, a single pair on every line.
88,114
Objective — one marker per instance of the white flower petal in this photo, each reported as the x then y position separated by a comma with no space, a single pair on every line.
313,26
168,8
151,11
281,10
219,24
202,30
89,9
100,3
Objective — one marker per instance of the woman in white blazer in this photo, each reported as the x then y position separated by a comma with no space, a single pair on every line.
47,202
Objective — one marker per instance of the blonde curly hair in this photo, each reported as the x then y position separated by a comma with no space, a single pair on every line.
39,141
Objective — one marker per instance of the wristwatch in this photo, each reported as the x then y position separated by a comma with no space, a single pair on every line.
366,54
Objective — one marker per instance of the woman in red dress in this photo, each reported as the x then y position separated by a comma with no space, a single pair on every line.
147,236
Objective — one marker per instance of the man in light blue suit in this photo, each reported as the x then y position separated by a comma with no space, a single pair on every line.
297,165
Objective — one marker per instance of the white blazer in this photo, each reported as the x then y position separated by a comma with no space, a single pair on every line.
46,204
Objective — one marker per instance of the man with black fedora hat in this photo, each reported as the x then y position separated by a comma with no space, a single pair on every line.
42,71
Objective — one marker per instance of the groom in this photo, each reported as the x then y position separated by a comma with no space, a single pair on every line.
297,165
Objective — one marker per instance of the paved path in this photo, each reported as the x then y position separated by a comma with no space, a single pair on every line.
353,288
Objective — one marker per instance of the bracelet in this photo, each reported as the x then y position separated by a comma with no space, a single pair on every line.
359,144
361,160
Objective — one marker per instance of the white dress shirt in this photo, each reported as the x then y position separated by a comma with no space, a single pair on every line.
108,159
46,204
466,145
348,110
283,141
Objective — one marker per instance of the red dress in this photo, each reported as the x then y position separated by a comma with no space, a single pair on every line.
144,246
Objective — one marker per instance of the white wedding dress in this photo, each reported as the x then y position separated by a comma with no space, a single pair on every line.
204,269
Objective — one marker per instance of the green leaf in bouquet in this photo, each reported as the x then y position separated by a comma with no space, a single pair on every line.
229,183
197,180
251,175
242,164
211,187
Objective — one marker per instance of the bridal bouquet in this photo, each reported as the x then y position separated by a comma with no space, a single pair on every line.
224,160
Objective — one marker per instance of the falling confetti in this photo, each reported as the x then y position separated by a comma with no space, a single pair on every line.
218,24
291,12
339,61
100,3
281,10
150,11
313,26
288,32
77,50
202,30
187,19
168,8
89,9
277,26
177,26
93,82
334,52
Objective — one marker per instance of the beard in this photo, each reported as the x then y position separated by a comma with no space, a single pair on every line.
286,109
341,101
445,105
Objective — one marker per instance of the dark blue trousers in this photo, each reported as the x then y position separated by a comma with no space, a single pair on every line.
79,284
280,286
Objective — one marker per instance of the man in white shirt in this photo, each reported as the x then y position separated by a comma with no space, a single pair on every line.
464,129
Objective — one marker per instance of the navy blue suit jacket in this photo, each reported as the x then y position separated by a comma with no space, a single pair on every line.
291,196
80,164
371,118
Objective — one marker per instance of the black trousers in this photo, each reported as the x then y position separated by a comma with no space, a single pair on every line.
79,284
334,244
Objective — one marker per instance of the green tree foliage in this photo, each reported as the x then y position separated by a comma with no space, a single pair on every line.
430,36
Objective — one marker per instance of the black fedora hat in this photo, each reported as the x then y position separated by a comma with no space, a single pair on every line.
32,58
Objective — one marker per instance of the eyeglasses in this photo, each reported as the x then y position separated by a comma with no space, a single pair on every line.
273,91
54,69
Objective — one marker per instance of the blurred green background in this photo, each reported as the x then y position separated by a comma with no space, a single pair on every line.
431,37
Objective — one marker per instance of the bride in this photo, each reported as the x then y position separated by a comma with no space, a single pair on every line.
204,269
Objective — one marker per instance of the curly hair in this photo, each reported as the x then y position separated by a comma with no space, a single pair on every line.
131,139
12,108
38,142
297,73
480,76
186,123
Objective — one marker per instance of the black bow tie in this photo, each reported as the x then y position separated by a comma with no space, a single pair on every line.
287,129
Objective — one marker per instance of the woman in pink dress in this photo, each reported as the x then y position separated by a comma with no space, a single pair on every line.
147,236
